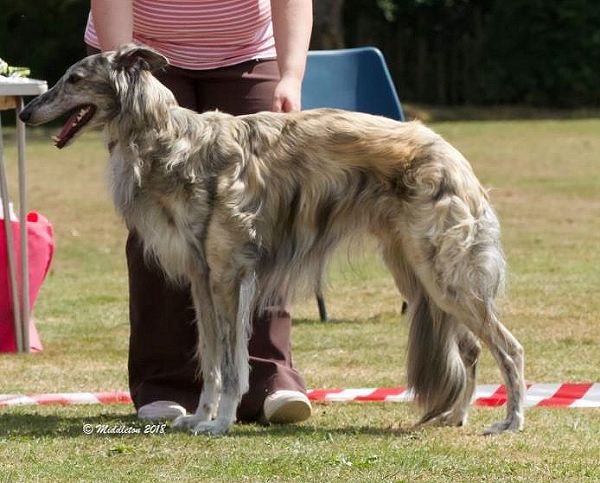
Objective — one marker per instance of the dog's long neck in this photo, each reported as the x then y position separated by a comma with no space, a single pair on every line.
133,135
143,106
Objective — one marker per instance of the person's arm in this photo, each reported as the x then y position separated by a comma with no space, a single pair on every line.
113,21
292,25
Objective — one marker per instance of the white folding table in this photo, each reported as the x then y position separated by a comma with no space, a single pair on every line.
12,91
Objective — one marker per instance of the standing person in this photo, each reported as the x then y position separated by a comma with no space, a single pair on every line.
241,57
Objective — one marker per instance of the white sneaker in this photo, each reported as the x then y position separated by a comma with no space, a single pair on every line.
158,410
286,407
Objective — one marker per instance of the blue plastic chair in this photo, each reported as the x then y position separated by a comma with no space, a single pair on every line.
351,79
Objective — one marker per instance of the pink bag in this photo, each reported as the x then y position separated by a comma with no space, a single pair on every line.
40,244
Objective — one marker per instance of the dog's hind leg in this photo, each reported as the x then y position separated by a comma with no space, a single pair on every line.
509,355
469,349
471,302
458,260
481,317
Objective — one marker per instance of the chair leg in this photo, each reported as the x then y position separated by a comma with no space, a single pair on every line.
321,304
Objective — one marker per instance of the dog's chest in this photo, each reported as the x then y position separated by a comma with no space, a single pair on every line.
158,212
167,232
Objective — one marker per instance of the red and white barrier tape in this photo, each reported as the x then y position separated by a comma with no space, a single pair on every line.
65,399
579,395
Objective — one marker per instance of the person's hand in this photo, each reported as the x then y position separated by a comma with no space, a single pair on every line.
286,97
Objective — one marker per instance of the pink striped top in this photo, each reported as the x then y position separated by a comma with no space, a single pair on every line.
202,34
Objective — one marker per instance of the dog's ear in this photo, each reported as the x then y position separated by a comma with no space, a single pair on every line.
137,57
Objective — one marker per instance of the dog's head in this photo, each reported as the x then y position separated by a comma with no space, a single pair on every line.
93,90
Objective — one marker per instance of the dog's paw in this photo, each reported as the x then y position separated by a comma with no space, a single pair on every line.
509,424
214,427
199,425
187,422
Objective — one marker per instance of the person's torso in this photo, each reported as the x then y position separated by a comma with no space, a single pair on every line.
202,34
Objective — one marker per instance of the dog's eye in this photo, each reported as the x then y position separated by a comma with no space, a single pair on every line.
74,78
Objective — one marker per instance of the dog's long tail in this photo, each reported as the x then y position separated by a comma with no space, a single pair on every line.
436,372
442,354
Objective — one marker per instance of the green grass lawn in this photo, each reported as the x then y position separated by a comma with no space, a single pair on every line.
545,184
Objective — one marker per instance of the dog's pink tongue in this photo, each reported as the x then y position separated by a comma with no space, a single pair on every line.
68,125
64,134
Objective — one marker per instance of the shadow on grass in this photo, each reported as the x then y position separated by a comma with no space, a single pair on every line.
254,429
39,425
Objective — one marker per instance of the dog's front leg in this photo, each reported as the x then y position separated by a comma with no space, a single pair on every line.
233,301
209,352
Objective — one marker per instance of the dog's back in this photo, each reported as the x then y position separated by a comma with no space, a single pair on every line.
302,182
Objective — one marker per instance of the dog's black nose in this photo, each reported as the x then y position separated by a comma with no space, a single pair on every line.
25,114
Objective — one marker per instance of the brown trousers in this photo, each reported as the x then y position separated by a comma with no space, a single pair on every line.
163,335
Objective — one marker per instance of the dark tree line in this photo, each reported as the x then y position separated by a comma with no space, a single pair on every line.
535,52
451,52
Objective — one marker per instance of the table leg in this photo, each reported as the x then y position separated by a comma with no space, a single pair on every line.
23,225
10,248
